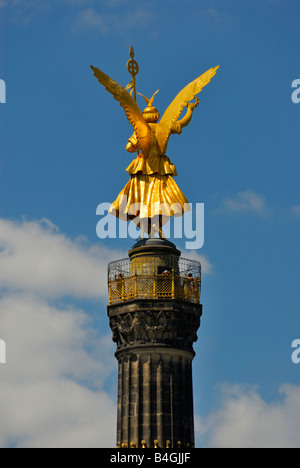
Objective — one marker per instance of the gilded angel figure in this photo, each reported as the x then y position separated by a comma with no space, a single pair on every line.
151,195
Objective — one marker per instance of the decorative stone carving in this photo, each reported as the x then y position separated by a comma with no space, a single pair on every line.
177,327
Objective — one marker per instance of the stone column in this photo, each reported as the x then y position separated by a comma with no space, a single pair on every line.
155,399
154,340
155,389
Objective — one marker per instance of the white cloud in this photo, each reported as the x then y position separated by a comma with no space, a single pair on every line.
296,210
137,17
79,3
38,4
216,15
246,202
212,13
86,14
51,387
35,257
91,19
25,11
52,384
206,266
245,420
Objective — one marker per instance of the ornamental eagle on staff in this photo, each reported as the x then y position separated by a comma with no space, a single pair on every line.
152,196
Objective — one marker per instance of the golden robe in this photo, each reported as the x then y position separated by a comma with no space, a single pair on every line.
151,190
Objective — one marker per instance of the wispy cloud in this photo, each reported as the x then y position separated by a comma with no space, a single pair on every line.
26,11
36,258
53,385
79,3
57,363
35,4
140,17
295,210
206,265
91,19
245,420
216,15
246,202
86,14
51,388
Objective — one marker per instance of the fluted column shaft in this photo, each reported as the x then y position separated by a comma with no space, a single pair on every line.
155,400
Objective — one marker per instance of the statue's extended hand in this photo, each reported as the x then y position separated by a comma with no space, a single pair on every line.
192,105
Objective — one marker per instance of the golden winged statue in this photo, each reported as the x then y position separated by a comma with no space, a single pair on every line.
151,196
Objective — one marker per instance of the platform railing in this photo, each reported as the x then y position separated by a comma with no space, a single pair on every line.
170,286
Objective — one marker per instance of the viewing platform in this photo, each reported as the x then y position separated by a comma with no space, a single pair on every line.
152,273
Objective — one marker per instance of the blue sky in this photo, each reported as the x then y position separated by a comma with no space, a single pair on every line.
62,146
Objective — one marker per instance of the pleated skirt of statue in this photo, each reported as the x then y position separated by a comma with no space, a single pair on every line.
147,196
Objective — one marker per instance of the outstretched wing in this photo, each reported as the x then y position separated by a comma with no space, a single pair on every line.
186,95
131,108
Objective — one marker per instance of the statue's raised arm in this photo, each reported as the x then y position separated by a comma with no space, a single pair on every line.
169,122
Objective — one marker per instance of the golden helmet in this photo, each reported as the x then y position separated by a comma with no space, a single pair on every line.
150,113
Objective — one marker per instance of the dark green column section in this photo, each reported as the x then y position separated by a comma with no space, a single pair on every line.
155,340
155,401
